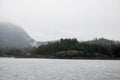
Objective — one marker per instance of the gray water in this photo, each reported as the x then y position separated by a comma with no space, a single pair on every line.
56,69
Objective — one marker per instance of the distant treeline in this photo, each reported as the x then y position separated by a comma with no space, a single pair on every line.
69,48
72,48
11,52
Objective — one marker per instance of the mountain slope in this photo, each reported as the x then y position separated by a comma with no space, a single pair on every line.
13,36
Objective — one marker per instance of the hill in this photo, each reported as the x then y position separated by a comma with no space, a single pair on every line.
13,36
72,48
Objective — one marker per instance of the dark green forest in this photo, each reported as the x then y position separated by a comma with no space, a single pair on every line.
12,52
72,48
69,48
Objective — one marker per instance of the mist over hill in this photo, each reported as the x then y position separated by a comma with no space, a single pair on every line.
102,41
13,36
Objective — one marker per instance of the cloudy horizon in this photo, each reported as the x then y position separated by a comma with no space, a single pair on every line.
54,19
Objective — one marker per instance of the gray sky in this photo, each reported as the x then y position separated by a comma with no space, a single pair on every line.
46,20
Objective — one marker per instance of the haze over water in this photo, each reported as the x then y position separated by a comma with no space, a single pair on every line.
56,69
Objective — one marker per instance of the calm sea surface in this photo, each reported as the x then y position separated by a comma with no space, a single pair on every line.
56,69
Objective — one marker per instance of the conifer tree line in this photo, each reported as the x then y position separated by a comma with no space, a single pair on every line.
68,48
11,52
72,48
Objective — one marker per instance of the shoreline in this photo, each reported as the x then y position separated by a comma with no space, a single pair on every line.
62,58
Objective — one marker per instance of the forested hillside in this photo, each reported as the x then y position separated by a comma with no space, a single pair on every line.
72,48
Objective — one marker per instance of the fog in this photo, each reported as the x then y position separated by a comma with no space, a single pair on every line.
46,20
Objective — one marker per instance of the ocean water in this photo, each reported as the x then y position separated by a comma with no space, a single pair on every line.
58,69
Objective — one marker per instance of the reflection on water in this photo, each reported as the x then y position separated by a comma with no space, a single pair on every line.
56,69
